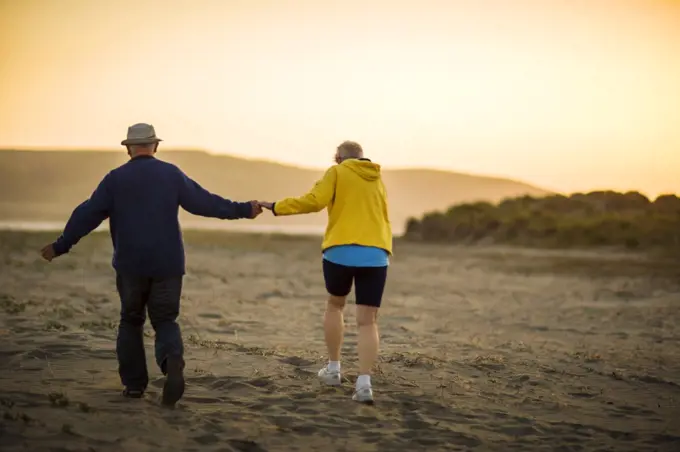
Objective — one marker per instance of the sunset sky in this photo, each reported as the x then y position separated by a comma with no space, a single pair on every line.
566,94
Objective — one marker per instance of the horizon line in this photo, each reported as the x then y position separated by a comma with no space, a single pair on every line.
549,191
277,162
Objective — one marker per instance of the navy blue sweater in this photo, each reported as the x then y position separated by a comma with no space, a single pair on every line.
141,199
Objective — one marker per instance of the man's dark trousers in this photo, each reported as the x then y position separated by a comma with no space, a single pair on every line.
160,297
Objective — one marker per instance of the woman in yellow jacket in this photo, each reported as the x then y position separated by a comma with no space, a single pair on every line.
356,250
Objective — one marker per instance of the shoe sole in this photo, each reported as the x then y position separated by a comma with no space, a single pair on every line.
365,402
133,394
174,386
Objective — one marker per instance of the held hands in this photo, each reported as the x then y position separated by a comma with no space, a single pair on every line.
257,207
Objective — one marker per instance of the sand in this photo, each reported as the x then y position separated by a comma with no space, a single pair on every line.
483,349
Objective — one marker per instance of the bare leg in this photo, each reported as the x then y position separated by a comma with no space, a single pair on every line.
334,326
368,340
334,330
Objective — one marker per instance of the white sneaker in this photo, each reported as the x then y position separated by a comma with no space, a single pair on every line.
330,377
363,395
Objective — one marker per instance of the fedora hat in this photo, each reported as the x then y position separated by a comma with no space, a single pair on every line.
140,134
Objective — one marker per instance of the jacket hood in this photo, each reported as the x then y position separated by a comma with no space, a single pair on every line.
363,167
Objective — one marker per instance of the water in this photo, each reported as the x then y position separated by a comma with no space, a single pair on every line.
58,226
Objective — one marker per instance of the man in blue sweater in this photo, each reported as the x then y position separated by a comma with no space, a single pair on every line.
141,199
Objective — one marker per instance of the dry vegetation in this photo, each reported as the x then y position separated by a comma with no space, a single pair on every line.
597,219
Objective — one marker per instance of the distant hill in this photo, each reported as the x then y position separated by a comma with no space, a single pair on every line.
47,185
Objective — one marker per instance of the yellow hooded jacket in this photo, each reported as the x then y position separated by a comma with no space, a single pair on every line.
354,193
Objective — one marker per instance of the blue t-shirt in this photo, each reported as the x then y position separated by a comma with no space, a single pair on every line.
357,256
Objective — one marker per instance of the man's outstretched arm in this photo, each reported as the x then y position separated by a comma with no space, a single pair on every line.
316,200
198,201
84,219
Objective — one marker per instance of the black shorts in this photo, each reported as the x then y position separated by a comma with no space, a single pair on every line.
369,282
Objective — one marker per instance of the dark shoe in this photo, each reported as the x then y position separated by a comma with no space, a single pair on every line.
133,393
173,390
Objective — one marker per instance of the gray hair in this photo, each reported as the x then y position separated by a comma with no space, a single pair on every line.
350,149
142,148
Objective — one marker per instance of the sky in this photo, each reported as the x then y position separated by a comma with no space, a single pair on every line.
570,95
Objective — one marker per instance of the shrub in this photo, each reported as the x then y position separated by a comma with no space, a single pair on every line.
596,219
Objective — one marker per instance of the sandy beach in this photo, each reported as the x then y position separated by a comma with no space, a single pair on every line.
484,348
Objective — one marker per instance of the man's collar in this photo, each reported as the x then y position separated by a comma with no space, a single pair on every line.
141,157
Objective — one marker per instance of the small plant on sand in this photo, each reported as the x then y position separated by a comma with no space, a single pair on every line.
203,343
414,360
25,418
203,372
587,356
60,312
489,362
58,399
99,325
53,325
84,407
10,305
